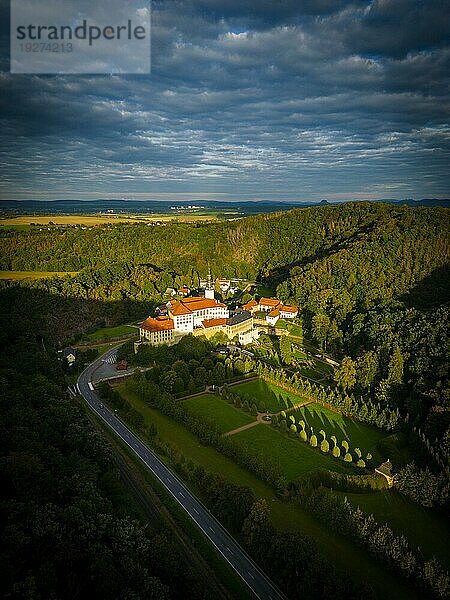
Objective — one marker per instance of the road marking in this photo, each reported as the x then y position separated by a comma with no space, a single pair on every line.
251,575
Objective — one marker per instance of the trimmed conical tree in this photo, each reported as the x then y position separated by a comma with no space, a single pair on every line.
325,446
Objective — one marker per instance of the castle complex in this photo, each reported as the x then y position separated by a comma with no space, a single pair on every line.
204,315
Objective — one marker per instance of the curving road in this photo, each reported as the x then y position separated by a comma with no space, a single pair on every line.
239,560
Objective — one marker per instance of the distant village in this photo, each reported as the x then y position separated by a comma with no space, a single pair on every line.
203,314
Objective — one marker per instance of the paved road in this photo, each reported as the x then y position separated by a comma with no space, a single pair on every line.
244,566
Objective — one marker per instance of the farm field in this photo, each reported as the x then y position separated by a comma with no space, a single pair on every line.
357,434
106,333
19,275
285,516
274,397
294,457
212,408
92,220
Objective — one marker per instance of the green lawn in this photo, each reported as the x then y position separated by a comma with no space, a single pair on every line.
357,434
295,330
423,527
294,457
286,516
274,398
213,408
106,333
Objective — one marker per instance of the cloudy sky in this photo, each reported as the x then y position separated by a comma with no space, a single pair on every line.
247,99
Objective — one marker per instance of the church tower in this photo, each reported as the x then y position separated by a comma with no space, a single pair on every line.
209,289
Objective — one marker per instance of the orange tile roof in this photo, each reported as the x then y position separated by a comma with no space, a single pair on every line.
288,308
190,305
213,322
269,302
250,304
157,324
200,303
274,313
178,308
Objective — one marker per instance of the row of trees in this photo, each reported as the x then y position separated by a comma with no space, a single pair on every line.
380,540
293,561
359,409
423,486
287,424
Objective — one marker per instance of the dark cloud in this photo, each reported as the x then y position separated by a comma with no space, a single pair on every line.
294,99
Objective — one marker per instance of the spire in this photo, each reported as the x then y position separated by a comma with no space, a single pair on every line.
209,278
209,290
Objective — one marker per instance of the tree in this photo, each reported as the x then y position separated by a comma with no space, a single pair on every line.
333,438
348,457
286,350
395,368
358,452
336,452
320,326
345,445
256,528
303,435
361,463
313,441
325,446
366,369
345,374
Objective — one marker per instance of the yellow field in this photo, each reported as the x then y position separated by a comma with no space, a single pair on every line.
101,219
19,275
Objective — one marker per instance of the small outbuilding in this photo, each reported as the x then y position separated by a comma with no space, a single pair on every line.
68,354
387,470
